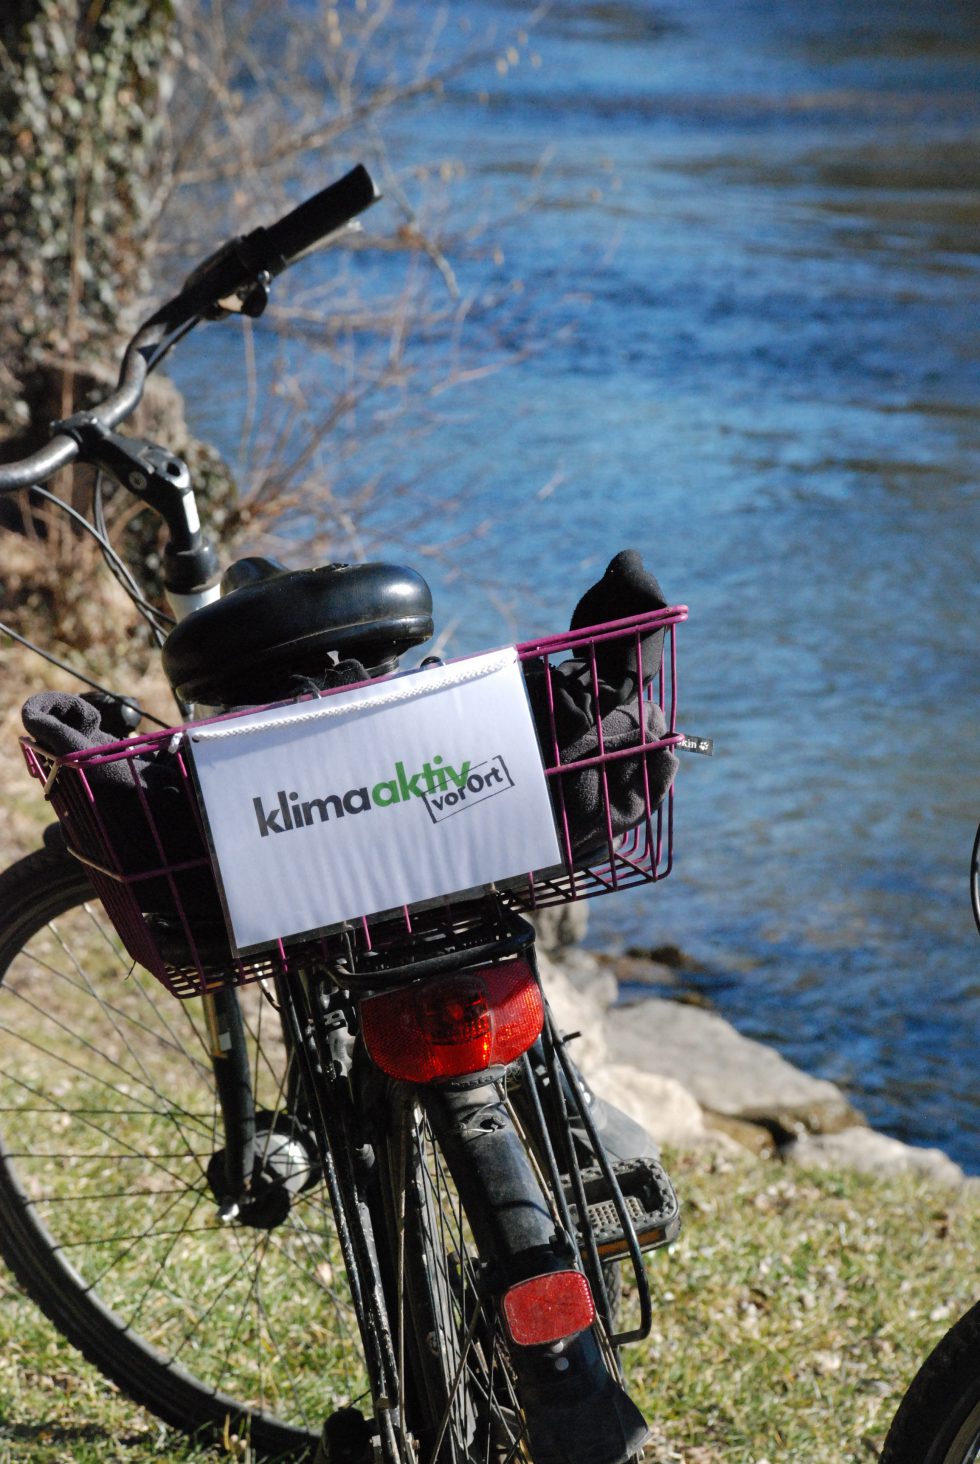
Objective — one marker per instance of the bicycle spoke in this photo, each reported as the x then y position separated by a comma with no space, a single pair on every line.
107,1087
478,1420
112,1013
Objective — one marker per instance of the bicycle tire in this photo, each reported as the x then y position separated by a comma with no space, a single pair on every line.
938,1420
107,1122
465,1401
454,1406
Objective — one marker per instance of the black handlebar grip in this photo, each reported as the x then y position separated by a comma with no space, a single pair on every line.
319,216
237,265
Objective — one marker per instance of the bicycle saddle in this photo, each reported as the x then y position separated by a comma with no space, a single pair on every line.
273,624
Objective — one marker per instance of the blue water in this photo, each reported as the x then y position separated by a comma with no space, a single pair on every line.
739,330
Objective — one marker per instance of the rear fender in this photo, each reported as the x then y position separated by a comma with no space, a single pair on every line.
577,1412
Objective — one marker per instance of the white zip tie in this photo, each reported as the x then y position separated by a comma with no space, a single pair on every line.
421,687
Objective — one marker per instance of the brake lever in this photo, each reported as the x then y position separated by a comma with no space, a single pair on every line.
230,281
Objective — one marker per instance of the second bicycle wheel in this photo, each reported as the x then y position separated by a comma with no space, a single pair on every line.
938,1421
108,1121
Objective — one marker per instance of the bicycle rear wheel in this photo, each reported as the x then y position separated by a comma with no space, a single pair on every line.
460,1402
108,1121
470,1396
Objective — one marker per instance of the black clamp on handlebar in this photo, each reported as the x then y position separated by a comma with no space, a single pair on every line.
233,280
160,479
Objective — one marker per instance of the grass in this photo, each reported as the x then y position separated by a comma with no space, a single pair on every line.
789,1317
56,1409
795,1308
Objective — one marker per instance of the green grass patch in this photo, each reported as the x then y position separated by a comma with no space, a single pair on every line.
789,1318
796,1306
110,1121
56,1409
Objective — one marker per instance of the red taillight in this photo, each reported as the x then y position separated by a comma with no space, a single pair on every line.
453,1025
548,1308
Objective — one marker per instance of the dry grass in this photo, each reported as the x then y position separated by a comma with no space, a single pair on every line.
789,1318
796,1307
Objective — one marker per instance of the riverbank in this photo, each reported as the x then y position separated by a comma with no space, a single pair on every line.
789,1318
694,1081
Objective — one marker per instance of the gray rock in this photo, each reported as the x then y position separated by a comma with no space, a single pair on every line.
870,1152
728,1074
560,926
575,1011
640,971
691,1079
589,976
663,1106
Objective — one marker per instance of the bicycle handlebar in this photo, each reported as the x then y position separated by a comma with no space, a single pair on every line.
231,270
240,263
62,449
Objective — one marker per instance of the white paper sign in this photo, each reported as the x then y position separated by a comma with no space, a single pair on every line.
419,786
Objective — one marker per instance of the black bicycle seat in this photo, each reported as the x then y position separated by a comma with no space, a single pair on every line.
272,625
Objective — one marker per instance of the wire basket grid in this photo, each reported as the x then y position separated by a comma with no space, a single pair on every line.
604,702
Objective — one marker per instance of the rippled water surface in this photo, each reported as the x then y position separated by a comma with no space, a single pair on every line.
752,287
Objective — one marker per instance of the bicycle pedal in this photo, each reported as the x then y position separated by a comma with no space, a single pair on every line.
650,1203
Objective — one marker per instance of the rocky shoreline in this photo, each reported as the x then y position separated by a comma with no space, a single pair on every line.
692,1080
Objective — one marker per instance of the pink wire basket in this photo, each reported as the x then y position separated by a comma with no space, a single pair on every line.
604,701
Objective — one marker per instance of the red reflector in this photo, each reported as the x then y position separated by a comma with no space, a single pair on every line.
547,1308
454,1025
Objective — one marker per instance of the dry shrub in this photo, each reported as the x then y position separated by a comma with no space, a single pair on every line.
252,105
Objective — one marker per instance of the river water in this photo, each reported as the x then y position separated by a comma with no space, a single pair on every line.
744,316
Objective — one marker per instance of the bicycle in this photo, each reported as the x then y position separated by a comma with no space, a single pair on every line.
342,1171
938,1420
